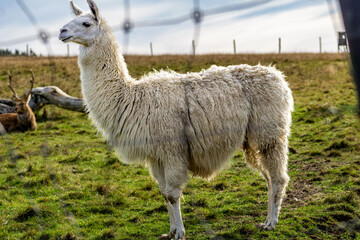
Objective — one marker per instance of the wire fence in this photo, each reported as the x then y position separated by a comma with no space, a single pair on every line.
197,15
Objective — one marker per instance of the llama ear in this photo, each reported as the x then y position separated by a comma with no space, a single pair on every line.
94,9
76,10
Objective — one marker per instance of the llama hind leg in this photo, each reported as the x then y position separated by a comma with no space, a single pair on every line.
274,161
266,175
254,160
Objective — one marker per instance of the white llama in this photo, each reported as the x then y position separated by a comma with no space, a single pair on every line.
184,123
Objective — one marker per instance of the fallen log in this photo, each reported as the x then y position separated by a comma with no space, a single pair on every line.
2,129
6,107
42,96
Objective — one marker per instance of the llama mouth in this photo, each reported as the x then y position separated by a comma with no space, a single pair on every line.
66,39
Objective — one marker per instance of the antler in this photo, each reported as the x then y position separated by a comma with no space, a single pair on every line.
31,80
28,92
9,85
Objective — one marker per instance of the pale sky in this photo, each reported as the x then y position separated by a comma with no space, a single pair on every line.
299,23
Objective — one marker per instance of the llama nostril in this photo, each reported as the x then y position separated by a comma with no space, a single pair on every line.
63,30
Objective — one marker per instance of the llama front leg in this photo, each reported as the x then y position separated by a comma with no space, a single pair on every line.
172,222
175,203
175,177
157,171
172,219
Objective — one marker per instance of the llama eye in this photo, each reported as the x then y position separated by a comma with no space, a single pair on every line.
86,24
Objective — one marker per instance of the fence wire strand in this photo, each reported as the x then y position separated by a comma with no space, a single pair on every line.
335,18
197,15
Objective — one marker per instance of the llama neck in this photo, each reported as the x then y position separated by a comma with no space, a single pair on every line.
105,81
103,57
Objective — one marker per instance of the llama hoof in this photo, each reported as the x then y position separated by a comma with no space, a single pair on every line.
164,237
168,236
180,236
268,225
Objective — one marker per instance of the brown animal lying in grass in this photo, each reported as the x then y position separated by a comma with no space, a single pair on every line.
24,118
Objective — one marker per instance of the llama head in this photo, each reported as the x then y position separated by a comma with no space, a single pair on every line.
84,28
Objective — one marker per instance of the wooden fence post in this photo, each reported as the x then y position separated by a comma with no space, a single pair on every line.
320,45
151,49
234,44
193,47
279,45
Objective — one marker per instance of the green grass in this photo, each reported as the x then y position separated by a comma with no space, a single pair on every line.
63,182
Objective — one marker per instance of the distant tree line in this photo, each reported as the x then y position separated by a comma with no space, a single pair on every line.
7,52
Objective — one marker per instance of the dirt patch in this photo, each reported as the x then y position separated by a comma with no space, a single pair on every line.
26,214
301,191
341,216
45,236
302,188
102,189
320,166
69,236
220,186
198,203
337,146
148,187
330,69
107,235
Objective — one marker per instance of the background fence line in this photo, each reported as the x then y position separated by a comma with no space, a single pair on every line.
196,15
152,52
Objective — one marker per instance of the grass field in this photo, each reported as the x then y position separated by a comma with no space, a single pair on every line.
62,181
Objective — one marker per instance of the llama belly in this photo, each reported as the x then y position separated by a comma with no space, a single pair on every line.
216,127
209,153
213,140
131,154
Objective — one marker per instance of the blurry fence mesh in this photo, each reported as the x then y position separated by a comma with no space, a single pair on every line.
196,15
